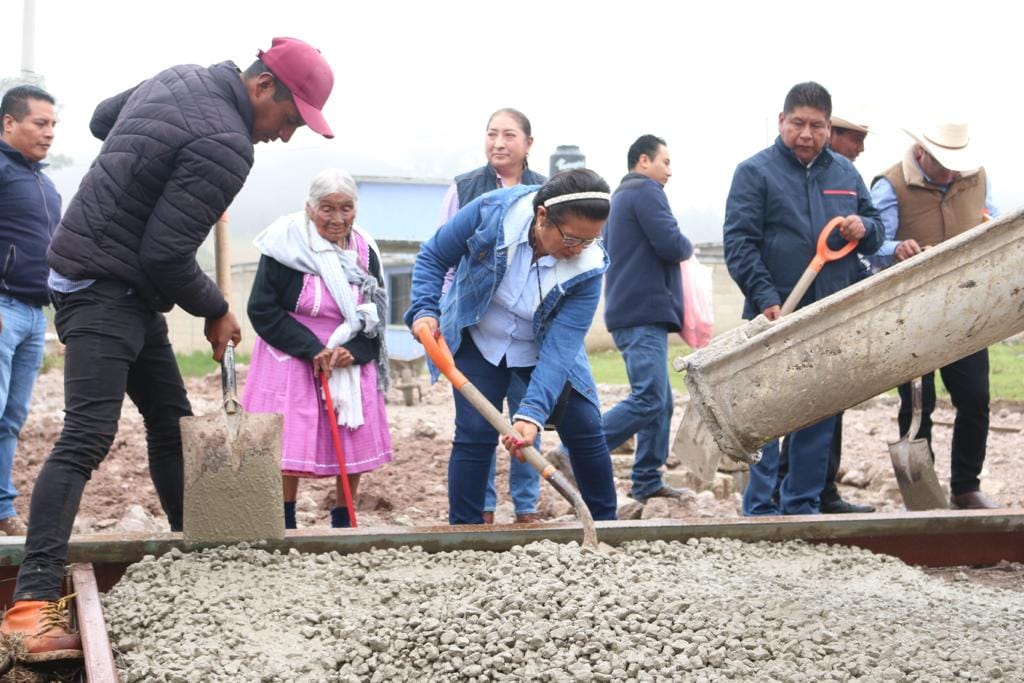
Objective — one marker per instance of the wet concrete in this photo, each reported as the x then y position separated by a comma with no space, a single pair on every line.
232,478
704,610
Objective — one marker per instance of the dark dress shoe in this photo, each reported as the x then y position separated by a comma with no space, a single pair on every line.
664,491
841,507
972,500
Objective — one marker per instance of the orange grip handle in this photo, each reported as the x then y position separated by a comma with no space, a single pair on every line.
824,253
440,354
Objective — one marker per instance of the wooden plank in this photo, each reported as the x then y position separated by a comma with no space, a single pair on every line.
99,657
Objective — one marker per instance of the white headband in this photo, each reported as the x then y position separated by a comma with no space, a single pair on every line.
576,195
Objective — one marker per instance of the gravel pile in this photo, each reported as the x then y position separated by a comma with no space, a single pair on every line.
707,610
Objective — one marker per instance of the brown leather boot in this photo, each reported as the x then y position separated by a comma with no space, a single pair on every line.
44,628
527,518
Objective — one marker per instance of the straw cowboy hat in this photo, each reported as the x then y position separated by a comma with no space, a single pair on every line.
849,125
949,144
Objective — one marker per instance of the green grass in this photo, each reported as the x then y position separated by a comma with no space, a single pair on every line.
1006,374
199,363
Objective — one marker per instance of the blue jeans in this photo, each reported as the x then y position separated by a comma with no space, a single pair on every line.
21,356
647,411
801,488
475,441
523,480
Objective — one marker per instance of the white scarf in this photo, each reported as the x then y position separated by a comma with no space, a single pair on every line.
293,242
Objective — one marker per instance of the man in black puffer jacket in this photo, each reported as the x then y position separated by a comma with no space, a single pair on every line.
176,150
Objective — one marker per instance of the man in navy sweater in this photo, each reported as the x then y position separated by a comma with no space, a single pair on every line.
643,304
779,201
29,211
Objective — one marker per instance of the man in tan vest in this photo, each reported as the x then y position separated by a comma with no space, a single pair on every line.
938,191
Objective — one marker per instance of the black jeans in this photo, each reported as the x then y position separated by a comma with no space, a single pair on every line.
115,344
967,382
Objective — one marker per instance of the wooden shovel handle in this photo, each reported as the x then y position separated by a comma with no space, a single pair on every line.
222,254
441,356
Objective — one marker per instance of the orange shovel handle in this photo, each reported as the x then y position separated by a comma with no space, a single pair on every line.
821,257
440,354
824,253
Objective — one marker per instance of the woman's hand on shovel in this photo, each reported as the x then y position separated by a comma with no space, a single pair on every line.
427,322
328,359
527,433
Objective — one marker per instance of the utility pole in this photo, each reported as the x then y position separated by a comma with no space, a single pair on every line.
28,42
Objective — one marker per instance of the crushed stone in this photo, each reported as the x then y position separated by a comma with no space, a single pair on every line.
703,610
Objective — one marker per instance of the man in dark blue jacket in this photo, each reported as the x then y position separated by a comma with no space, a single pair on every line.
780,200
29,211
644,303
176,150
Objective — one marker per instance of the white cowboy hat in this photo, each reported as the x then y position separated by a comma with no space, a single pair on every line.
948,143
849,125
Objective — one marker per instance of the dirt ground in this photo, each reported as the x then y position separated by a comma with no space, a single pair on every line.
411,490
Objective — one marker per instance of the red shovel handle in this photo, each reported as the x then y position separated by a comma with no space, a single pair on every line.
824,253
440,354
332,418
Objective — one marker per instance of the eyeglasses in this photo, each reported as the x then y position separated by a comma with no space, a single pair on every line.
570,241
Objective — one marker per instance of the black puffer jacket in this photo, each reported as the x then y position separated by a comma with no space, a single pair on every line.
176,151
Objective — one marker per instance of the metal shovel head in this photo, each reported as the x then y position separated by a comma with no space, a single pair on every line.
915,473
232,477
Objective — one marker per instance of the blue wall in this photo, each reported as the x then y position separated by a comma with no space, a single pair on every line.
400,210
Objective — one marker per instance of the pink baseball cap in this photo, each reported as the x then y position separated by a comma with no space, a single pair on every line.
305,72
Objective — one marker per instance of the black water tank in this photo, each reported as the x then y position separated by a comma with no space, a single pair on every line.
566,157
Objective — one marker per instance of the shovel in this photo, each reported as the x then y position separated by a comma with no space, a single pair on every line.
232,458
914,464
442,358
332,419
694,447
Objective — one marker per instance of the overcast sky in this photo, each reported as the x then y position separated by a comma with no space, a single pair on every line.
416,81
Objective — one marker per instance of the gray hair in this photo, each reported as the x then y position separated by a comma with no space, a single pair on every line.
331,181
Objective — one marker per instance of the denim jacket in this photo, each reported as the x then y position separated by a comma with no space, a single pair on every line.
474,240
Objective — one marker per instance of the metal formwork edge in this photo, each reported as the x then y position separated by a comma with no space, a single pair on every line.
934,538
99,658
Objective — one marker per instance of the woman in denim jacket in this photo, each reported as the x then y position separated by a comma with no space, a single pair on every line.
528,279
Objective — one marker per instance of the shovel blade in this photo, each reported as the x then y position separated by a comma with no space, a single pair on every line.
915,474
232,478
695,448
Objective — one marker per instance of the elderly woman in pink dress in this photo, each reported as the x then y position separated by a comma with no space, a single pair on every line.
318,305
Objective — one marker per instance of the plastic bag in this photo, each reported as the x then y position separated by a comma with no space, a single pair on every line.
698,315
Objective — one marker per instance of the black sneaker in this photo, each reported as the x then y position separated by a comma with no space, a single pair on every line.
841,507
